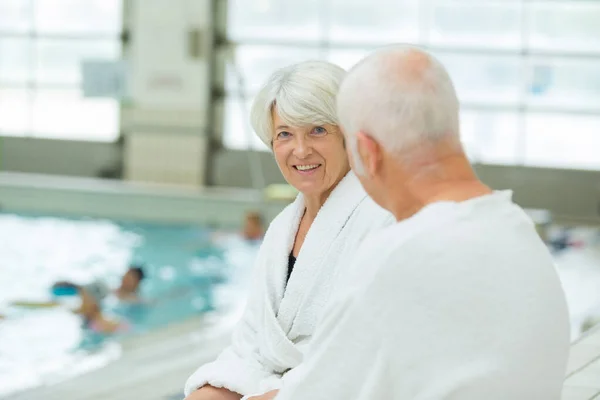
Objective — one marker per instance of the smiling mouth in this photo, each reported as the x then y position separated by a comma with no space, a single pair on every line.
309,167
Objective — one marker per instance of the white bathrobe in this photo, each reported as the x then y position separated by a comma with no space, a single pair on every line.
459,302
279,320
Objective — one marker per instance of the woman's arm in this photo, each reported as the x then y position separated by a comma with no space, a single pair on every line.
267,396
239,368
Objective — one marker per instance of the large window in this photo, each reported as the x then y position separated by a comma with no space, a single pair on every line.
527,71
43,44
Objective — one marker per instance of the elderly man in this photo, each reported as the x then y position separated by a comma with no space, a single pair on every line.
457,300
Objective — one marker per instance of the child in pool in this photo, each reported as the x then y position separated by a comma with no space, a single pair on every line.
128,290
130,284
91,312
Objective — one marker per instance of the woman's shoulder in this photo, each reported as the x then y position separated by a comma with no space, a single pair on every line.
284,218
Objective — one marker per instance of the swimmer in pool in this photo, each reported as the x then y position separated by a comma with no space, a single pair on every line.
251,231
126,292
130,284
91,297
253,227
90,310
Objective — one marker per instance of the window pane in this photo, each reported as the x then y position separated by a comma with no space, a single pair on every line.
15,15
59,61
490,137
565,25
485,79
274,19
64,114
374,21
78,16
15,60
14,112
347,58
257,63
476,23
568,141
237,132
566,83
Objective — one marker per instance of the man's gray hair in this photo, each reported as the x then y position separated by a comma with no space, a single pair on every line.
304,94
401,96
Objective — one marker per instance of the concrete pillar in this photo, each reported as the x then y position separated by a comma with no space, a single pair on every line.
165,120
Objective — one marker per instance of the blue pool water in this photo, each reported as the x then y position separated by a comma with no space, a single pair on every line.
184,265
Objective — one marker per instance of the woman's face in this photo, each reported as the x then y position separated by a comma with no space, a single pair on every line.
311,158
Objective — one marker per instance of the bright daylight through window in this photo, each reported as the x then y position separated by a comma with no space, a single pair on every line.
42,46
526,71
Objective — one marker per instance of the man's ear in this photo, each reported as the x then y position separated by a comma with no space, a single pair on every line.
370,153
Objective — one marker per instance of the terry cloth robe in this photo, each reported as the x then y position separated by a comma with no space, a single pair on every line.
280,319
459,302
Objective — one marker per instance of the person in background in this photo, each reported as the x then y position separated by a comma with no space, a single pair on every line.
306,247
254,229
90,305
128,291
91,310
457,300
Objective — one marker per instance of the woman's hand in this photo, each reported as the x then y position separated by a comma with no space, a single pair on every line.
267,396
212,393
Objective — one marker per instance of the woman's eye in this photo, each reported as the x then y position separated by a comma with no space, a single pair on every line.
319,130
283,135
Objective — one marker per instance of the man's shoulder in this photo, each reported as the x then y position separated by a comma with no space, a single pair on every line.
405,244
372,215
394,236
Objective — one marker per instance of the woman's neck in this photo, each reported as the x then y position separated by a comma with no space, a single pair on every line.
312,206
314,202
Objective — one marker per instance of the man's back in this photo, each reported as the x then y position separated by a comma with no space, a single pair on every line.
474,306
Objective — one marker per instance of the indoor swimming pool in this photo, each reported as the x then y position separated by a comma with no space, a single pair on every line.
186,268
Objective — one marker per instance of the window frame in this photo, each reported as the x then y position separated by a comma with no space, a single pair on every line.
524,51
32,84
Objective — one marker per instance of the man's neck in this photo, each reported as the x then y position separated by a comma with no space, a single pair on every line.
405,206
452,179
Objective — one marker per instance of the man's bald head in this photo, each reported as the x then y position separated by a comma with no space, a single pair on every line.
412,63
400,96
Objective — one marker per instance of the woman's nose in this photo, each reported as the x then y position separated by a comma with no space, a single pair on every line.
302,148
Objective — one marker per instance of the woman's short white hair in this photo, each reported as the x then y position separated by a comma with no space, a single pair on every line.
304,94
384,97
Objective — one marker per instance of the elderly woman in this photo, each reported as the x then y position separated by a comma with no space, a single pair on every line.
306,247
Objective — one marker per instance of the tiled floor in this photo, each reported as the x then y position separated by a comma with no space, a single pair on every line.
583,374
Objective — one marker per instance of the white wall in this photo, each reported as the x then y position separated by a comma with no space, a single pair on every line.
57,157
572,196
